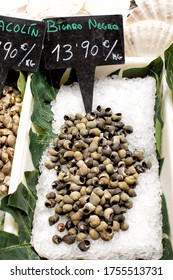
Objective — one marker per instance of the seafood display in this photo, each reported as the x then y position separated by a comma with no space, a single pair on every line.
99,178
99,175
98,193
10,108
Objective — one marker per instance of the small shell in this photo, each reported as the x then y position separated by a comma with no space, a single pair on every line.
103,225
81,125
103,181
52,152
115,199
69,224
84,132
79,180
94,234
132,193
61,227
53,219
49,164
83,227
7,168
124,197
107,213
67,199
75,195
51,195
107,234
69,154
94,199
67,144
7,121
117,209
84,245
76,217
58,209
81,236
69,239
91,116
58,185
78,155
130,180
124,226
91,124
93,147
72,231
2,176
94,221
110,168
107,151
98,191
99,210
94,132
107,194
88,208
50,203
116,226
74,187
57,239
4,157
83,199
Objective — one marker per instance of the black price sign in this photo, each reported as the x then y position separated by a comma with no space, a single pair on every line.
21,43
84,43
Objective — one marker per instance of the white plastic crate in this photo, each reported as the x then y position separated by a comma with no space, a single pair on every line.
22,159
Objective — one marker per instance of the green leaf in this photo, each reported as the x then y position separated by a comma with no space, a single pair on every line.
24,222
136,72
43,94
167,249
154,68
38,144
31,180
165,218
18,252
161,161
158,136
21,205
23,199
8,239
169,66
10,249
21,83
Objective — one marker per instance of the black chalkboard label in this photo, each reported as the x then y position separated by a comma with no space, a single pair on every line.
83,43
21,43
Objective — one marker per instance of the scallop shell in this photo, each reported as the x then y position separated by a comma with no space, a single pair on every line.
9,6
97,7
152,9
147,38
53,8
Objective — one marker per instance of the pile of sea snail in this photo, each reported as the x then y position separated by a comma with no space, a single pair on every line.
10,106
96,177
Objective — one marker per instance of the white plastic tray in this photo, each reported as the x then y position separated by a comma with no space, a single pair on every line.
22,159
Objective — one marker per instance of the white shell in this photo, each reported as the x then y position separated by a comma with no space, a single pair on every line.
112,7
53,8
147,38
8,6
152,9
